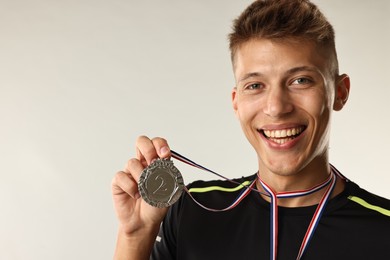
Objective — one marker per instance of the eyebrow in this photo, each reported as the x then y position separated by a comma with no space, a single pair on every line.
302,68
250,75
290,71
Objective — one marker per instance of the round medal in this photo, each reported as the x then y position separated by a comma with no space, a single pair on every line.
161,183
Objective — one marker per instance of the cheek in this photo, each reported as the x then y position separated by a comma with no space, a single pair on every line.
249,117
319,110
247,110
317,105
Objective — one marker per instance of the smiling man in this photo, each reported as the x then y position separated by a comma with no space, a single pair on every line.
286,91
297,206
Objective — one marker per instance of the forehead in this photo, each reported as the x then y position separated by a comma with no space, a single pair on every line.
277,56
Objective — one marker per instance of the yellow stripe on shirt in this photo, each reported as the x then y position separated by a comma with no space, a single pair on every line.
219,188
365,204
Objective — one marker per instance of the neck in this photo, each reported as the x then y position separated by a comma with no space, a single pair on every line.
299,181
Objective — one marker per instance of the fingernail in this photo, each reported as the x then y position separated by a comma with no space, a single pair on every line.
164,150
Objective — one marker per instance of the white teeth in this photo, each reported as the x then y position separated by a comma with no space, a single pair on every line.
283,133
282,141
293,131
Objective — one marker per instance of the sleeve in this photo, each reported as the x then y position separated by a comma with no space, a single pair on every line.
165,244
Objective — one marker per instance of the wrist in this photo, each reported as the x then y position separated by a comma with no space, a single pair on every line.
130,232
135,245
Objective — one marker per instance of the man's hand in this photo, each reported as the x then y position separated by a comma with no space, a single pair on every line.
138,221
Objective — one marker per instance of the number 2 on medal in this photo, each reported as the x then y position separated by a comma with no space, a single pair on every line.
162,188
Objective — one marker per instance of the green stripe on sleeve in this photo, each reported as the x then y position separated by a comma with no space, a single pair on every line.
219,188
370,206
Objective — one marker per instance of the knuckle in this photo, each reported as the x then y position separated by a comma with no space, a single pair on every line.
142,138
150,153
132,163
117,177
159,140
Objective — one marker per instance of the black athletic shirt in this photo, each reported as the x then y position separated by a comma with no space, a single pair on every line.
354,225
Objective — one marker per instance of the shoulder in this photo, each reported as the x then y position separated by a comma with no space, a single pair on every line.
215,194
368,201
219,187
214,185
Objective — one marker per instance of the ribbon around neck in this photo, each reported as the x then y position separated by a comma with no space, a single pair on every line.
274,201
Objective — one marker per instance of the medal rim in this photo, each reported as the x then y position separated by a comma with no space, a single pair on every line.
168,166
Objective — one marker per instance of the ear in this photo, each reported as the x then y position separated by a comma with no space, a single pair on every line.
342,92
234,99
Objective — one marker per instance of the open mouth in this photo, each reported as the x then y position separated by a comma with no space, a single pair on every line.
282,136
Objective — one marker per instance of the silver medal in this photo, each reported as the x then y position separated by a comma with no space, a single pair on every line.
161,183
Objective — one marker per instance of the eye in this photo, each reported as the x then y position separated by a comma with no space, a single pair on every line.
253,86
301,81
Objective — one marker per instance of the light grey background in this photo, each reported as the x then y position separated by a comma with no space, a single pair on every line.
81,79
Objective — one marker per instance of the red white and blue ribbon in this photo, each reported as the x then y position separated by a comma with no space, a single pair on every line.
314,221
317,216
274,196
240,197
183,159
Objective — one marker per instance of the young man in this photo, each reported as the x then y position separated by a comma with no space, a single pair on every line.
297,206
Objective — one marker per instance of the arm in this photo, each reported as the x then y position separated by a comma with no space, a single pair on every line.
134,247
138,221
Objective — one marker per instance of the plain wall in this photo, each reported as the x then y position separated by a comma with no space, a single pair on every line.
81,79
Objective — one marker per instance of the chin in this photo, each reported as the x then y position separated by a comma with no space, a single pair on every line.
283,167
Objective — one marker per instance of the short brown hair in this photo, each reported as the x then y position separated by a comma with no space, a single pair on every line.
284,19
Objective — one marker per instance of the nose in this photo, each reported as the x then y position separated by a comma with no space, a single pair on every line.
278,102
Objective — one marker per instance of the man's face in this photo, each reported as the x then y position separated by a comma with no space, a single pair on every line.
284,97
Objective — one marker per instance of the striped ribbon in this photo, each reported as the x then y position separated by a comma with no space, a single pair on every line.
313,223
240,197
274,201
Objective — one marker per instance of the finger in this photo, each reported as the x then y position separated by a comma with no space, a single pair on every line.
162,147
134,168
124,183
146,152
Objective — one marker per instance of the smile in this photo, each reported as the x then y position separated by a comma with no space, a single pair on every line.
282,136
